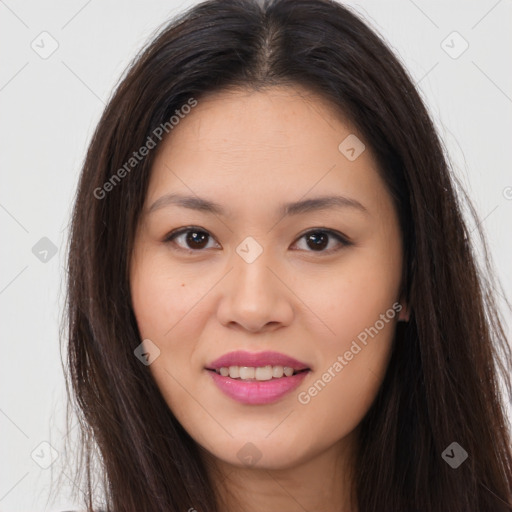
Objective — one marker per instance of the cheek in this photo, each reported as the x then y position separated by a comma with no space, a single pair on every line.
359,309
169,308
352,296
163,305
353,366
161,297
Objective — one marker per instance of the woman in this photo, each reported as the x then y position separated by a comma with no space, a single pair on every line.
273,302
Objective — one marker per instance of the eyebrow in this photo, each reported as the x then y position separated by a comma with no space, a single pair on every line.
287,209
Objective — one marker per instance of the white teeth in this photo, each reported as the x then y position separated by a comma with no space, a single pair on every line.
288,371
277,372
264,373
246,372
234,372
256,373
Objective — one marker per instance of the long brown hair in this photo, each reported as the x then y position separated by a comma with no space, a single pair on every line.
449,360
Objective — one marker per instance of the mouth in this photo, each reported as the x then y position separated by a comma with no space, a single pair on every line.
260,366
259,373
257,378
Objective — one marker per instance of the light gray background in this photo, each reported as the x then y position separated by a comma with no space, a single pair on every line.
50,107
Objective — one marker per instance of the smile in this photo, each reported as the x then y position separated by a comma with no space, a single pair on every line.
260,373
257,378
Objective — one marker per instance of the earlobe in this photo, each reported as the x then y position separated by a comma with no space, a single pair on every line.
403,309
404,314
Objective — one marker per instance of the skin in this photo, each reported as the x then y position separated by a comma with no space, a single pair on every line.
250,152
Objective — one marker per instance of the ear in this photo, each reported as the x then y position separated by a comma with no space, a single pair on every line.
404,313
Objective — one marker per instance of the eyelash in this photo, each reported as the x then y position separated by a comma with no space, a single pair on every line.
343,241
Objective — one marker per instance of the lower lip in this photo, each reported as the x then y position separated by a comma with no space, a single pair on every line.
257,392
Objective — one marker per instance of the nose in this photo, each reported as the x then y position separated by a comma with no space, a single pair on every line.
255,297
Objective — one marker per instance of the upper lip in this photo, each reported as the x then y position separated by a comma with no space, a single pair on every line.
256,359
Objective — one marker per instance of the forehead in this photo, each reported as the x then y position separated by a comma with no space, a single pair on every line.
278,117
256,145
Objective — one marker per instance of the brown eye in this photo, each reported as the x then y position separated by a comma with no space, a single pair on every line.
196,239
190,239
317,240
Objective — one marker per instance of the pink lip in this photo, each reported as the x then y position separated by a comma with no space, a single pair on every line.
255,359
253,392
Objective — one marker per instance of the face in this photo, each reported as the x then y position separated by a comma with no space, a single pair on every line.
250,254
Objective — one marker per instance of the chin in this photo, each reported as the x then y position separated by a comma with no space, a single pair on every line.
257,452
